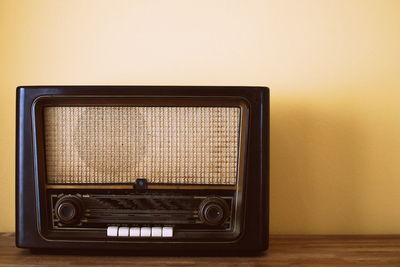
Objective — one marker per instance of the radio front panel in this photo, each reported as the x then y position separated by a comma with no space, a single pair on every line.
137,164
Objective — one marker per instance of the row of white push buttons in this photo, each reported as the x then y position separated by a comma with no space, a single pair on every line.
140,231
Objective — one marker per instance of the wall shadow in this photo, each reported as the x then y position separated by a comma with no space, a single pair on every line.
315,170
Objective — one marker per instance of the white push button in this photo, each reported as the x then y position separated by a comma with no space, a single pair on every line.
156,231
112,231
167,231
123,231
145,231
134,231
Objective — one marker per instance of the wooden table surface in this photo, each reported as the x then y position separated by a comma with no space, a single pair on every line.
284,250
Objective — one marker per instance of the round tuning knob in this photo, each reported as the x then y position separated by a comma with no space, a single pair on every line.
213,211
69,209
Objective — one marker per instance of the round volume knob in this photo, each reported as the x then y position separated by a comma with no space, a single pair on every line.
213,211
69,209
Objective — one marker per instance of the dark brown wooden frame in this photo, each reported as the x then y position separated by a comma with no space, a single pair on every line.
254,233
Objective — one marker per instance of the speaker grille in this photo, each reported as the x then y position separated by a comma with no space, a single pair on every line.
171,145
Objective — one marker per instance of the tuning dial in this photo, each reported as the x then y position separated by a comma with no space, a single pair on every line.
213,211
69,209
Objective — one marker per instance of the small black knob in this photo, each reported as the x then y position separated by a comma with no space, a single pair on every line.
69,209
140,184
213,211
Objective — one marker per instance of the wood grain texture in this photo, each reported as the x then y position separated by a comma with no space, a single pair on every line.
284,250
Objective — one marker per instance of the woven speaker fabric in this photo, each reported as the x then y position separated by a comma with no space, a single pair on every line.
169,145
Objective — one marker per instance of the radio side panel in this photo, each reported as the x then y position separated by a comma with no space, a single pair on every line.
27,235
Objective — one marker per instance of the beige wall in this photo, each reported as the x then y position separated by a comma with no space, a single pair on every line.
333,68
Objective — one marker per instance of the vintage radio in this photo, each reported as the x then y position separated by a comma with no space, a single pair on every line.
145,168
